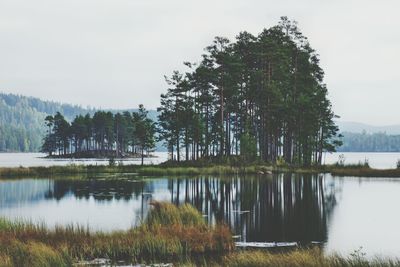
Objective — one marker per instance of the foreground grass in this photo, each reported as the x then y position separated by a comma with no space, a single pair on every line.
170,234
298,258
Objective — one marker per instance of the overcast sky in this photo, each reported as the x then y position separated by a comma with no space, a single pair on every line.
114,53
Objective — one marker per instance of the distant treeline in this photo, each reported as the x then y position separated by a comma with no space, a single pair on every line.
364,142
22,126
102,135
259,97
21,121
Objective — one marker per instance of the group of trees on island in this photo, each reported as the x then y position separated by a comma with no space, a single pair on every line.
103,134
259,97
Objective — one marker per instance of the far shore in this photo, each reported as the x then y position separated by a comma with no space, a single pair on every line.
99,155
177,169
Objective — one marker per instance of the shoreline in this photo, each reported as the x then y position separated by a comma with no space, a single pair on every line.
182,169
96,156
177,235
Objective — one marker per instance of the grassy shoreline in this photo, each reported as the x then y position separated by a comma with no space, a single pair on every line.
172,234
169,234
158,170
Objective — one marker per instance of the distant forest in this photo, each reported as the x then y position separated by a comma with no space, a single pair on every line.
22,120
22,125
365,142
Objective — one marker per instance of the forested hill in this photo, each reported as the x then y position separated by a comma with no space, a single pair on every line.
359,137
22,121
22,126
370,142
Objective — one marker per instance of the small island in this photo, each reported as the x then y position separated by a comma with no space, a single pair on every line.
105,135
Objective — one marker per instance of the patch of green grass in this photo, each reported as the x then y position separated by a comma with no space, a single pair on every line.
168,215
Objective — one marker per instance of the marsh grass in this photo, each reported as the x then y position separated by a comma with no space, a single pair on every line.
299,258
365,172
90,171
150,170
169,234
167,214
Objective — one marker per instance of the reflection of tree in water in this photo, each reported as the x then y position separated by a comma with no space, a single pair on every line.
98,189
285,207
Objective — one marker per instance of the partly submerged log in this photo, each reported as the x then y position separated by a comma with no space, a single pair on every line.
266,244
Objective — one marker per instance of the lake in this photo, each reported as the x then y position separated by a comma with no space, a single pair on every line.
39,159
376,160
343,213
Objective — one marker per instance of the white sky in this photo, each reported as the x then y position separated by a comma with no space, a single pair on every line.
114,53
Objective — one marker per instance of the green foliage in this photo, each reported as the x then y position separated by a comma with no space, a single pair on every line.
280,162
104,134
168,214
22,128
258,96
144,131
21,121
248,147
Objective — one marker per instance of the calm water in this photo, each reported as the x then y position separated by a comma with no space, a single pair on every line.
344,213
38,159
376,160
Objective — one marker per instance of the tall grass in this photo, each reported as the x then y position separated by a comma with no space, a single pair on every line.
170,233
300,258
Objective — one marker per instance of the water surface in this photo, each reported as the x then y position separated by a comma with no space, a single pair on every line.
39,159
343,213
376,160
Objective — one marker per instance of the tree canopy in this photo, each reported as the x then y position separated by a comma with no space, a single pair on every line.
259,97
103,134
